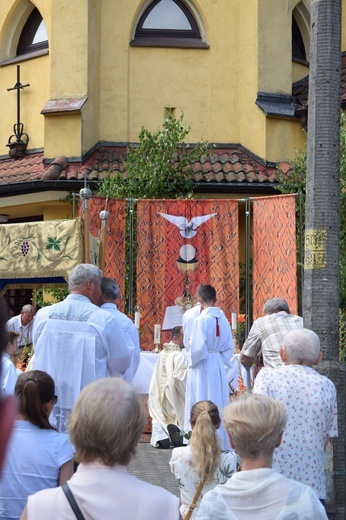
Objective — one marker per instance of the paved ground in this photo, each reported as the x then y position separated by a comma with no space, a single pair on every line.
152,465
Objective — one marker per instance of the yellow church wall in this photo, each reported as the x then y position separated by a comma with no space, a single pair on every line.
251,118
299,71
68,48
32,99
143,81
60,210
130,87
283,138
34,71
47,204
274,47
64,135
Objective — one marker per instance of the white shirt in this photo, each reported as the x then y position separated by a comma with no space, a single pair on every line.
114,354
310,402
261,494
132,338
188,322
76,343
8,375
104,493
32,463
15,325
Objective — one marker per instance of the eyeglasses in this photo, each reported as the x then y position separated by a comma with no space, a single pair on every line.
55,399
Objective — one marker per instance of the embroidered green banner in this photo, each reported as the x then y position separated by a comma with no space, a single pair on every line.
40,249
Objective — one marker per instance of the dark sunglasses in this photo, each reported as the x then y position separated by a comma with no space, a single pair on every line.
55,399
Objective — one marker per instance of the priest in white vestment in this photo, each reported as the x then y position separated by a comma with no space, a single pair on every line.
188,322
166,399
211,348
76,342
109,296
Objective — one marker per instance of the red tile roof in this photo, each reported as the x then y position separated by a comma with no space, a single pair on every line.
223,166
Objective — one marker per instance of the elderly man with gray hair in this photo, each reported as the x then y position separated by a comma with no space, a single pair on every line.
76,342
23,323
267,333
310,402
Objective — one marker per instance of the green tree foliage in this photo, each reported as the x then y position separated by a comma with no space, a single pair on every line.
159,167
45,297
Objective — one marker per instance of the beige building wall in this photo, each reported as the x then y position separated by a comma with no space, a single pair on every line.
126,87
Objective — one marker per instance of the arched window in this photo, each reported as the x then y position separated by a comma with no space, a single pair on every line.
168,23
34,35
298,47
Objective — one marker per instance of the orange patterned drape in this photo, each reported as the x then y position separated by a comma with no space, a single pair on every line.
159,281
115,238
274,251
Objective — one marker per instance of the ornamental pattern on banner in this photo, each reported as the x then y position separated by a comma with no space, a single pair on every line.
181,243
40,249
115,238
274,252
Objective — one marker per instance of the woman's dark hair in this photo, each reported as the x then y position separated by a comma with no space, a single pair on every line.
34,389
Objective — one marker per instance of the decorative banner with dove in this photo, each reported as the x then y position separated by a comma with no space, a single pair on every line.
180,242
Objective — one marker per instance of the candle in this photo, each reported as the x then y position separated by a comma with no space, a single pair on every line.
157,334
137,319
234,320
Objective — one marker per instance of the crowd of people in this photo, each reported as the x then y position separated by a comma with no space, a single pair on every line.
78,419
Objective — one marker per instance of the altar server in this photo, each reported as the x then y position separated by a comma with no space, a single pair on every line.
211,348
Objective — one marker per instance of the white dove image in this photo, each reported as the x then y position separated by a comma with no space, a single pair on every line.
187,229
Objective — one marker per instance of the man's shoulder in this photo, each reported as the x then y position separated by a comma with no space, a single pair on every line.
12,320
283,315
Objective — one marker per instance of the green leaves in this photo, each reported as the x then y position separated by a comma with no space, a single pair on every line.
53,243
160,166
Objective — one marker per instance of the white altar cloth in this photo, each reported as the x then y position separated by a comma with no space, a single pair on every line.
143,375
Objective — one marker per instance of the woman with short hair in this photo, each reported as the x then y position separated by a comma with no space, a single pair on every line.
255,425
38,457
202,462
105,425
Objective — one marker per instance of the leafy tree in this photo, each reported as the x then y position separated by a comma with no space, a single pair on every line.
159,167
45,297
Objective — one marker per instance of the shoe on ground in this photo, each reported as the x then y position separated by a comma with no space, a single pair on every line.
176,436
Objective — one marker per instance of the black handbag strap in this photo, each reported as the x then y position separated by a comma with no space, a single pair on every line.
72,501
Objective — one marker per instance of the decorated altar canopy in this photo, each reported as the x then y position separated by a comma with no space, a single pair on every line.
179,243
37,253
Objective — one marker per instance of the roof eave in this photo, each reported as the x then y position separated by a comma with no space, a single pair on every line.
23,188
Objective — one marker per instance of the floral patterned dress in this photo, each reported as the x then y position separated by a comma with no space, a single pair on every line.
182,466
